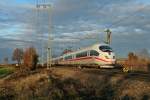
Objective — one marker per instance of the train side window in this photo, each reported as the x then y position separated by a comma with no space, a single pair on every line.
94,53
68,57
82,54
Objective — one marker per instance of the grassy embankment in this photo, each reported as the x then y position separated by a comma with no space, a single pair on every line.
68,84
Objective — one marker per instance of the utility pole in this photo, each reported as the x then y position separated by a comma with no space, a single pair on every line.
49,47
38,26
108,36
42,5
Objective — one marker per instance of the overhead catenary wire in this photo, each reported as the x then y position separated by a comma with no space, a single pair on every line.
119,20
109,37
123,19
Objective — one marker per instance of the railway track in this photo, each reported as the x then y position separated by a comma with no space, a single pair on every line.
101,71
90,69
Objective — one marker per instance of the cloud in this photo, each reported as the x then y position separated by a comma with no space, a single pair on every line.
75,21
129,20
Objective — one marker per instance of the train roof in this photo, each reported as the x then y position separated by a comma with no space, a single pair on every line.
82,49
94,45
87,48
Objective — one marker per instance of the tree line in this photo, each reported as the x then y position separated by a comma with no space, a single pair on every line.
27,58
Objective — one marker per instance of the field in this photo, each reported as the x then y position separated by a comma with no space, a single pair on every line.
75,84
4,71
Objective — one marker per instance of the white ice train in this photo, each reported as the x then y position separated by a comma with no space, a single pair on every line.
99,55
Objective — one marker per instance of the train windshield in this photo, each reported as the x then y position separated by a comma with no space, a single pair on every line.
105,48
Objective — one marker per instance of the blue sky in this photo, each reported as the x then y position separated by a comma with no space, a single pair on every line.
23,1
144,1
72,22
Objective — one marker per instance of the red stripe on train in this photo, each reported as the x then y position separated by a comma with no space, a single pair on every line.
81,58
102,59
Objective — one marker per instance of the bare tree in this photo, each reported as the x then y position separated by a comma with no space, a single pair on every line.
6,60
18,55
132,56
30,58
144,54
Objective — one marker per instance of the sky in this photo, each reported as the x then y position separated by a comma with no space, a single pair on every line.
74,24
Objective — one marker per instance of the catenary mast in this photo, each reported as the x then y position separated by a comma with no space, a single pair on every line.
42,6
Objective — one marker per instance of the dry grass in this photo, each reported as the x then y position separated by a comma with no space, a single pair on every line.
67,84
134,89
138,64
